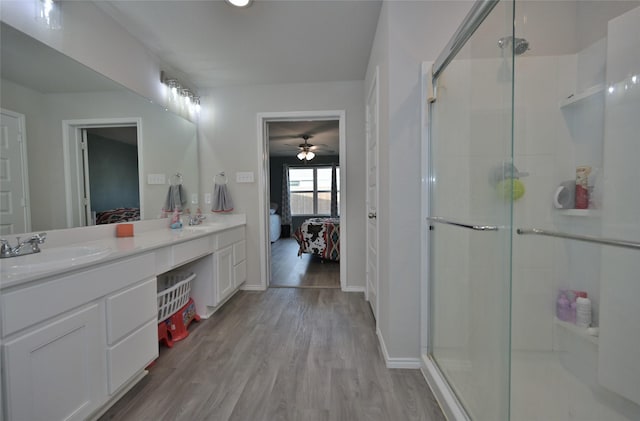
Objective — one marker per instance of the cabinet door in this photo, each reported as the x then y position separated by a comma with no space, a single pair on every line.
57,372
224,273
240,273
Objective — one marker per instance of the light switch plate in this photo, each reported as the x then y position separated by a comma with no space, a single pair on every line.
244,177
156,179
207,198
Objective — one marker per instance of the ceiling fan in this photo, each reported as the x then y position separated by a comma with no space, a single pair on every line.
306,154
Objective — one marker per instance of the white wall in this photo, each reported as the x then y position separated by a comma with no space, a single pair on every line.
408,34
379,59
618,369
228,142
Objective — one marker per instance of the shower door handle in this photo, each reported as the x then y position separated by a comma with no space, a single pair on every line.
441,220
586,238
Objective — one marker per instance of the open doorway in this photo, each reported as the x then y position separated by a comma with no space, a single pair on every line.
304,190
304,201
110,166
103,171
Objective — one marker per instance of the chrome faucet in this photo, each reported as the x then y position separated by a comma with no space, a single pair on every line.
197,219
30,246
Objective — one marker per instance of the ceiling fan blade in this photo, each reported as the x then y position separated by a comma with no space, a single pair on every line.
322,127
319,146
283,137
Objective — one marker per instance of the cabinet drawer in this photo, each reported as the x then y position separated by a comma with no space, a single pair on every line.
131,308
132,354
28,306
239,252
163,260
57,372
228,237
239,274
190,250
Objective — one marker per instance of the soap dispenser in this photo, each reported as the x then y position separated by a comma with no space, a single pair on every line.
176,223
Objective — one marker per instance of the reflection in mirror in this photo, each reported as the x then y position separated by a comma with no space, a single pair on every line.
110,163
78,148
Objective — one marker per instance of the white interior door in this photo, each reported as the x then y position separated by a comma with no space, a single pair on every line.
372,196
86,185
14,186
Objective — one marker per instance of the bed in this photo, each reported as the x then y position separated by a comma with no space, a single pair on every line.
320,237
113,216
275,226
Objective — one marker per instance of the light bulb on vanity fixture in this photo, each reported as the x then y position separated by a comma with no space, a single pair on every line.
178,91
48,12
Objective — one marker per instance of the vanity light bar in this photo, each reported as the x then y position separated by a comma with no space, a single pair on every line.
174,84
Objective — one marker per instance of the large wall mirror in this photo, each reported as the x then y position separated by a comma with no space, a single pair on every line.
78,148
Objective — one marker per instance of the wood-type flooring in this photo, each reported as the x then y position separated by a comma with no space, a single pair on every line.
283,354
305,271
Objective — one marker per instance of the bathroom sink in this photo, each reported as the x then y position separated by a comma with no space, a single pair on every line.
51,259
203,227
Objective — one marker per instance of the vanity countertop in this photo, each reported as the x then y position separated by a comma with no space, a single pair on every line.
15,271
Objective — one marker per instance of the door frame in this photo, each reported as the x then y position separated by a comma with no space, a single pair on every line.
263,179
24,160
374,89
74,177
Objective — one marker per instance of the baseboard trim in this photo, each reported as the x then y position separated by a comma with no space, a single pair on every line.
390,362
119,394
253,288
448,401
353,289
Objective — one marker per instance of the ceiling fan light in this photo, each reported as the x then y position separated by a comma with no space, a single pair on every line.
310,156
302,155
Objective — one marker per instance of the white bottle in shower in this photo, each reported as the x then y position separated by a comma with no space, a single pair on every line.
583,312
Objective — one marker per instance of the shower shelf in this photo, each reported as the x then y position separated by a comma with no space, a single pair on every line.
579,212
576,330
587,93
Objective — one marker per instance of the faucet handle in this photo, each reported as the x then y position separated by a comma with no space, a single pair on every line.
40,238
5,248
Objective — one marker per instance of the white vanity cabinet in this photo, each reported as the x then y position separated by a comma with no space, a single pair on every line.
239,263
220,274
74,341
223,262
56,372
69,342
132,332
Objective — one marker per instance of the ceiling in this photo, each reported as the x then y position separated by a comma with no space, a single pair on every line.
214,44
286,136
127,135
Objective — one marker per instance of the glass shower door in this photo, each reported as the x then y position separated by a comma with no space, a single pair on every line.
470,218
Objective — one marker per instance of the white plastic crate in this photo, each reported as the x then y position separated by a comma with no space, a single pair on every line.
173,292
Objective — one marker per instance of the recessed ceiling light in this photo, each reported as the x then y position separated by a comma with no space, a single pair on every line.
240,3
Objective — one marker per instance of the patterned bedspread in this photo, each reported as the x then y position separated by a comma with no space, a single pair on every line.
319,236
113,216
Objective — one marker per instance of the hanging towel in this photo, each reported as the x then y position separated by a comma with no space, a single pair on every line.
176,198
221,198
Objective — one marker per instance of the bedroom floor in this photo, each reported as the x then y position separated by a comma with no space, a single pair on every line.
282,354
307,271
